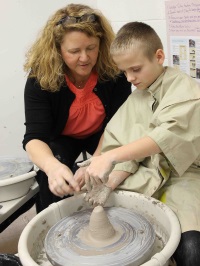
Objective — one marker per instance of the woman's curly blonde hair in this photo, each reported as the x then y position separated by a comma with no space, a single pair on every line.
44,60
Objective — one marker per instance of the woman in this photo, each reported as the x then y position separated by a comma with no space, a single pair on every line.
72,91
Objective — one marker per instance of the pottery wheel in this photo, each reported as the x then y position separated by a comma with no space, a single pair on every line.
133,245
14,166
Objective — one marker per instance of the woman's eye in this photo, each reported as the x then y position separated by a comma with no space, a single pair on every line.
74,52
90,48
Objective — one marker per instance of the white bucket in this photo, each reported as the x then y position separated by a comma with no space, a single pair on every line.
165,223
16,177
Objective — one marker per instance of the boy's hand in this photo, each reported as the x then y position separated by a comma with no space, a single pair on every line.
98,195
85,163
98,170
99,192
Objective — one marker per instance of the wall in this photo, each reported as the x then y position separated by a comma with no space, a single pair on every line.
20,21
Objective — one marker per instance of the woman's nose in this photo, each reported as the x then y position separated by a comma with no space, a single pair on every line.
83,56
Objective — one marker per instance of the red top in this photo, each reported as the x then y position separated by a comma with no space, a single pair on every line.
86,113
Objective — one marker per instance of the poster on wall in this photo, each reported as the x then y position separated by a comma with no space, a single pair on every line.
183,29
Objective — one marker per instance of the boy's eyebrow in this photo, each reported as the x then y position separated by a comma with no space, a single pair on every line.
132,67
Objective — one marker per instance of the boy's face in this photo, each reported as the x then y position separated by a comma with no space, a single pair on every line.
139,70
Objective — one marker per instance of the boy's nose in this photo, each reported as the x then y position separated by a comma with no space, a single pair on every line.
130,77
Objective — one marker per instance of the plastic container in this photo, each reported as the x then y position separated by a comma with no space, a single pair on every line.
16,177
165,223
16,187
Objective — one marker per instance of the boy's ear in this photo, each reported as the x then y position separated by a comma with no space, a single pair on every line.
160,55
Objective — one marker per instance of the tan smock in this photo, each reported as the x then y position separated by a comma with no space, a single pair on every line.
169,113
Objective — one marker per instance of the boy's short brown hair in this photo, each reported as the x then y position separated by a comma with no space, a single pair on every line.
136,35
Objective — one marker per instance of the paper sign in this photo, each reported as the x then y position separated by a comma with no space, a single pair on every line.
183,29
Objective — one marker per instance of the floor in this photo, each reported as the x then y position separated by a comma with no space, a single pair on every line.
10,236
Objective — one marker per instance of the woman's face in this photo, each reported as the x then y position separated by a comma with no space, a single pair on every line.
80,53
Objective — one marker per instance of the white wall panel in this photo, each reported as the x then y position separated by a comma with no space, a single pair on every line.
20,22
128,10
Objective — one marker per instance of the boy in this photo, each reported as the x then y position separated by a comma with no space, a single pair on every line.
152,144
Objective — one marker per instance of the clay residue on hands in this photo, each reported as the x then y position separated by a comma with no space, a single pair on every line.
99,192
98,195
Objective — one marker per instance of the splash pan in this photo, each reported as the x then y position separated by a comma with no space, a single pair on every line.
163,220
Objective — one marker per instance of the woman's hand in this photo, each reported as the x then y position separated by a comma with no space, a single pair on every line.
79,176
61,180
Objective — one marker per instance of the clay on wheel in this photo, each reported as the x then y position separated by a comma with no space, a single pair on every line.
104,236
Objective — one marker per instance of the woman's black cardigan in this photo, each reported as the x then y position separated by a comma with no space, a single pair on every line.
46,112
